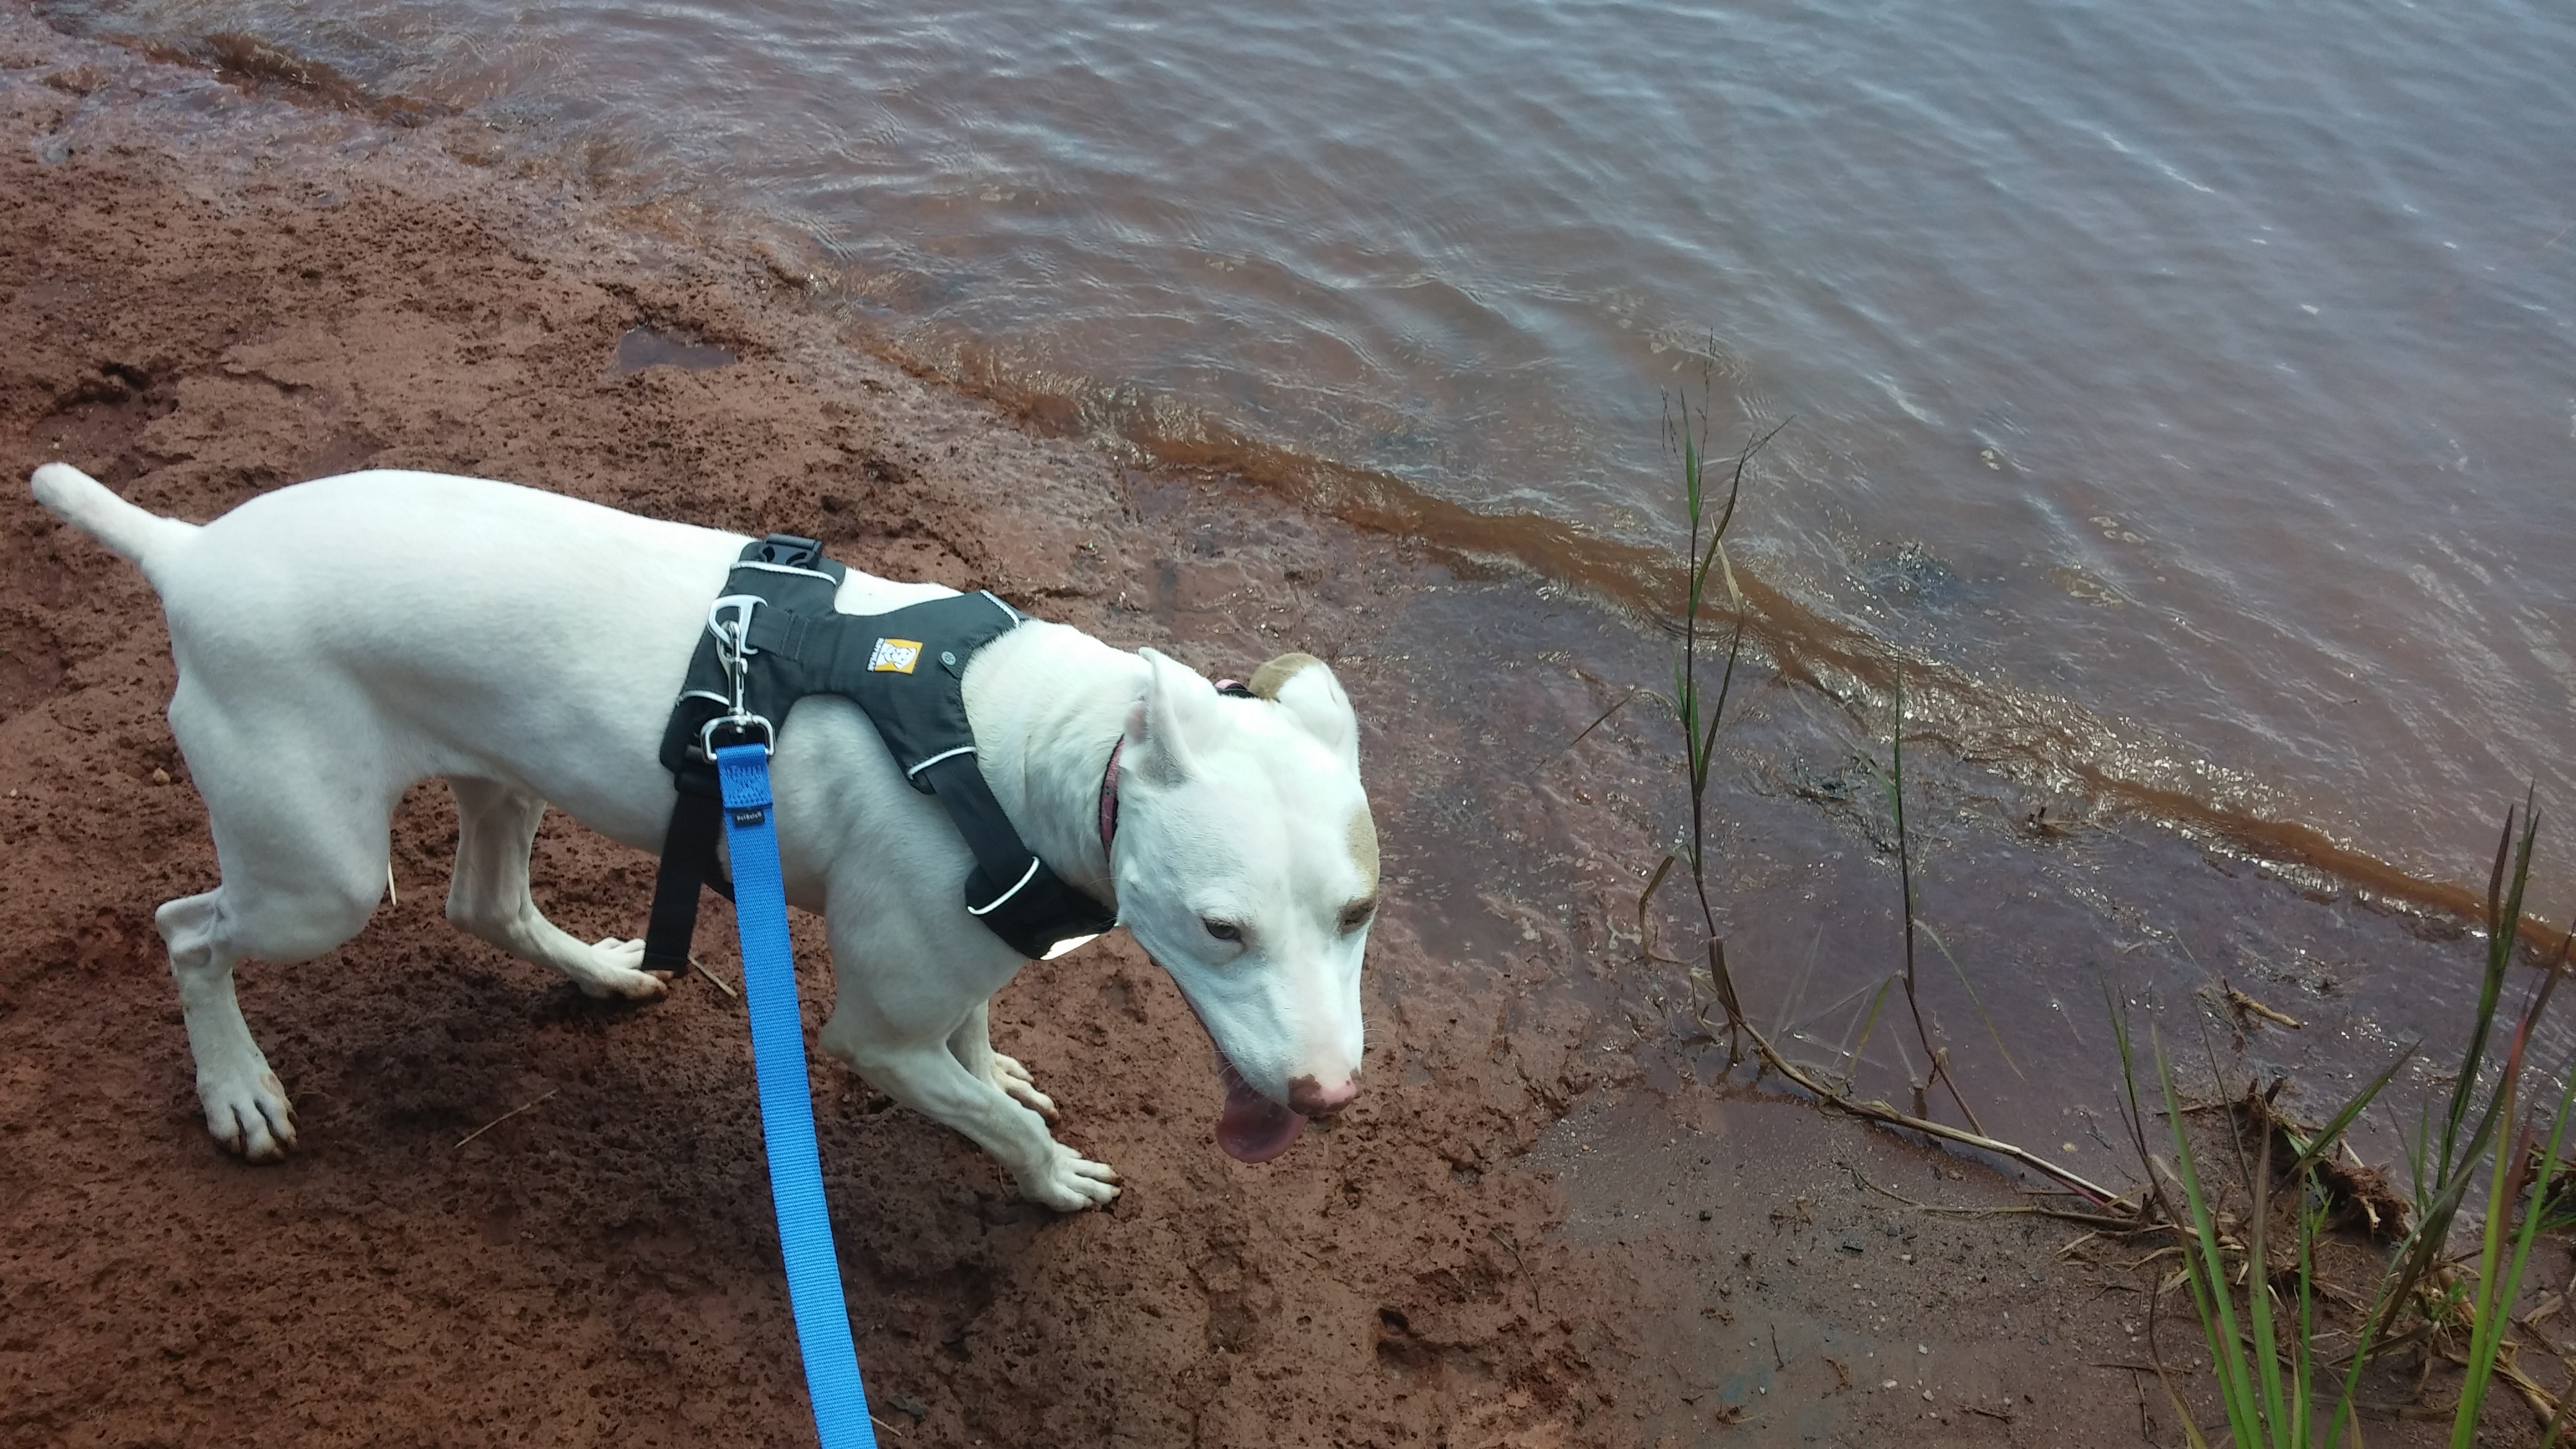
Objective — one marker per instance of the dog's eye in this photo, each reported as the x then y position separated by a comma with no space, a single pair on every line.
1223,930
1357,914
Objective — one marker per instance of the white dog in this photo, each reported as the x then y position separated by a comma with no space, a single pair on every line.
339,640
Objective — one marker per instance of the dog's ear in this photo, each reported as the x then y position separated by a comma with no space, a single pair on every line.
1304,686
1178,708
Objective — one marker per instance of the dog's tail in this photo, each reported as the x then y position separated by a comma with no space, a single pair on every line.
86,504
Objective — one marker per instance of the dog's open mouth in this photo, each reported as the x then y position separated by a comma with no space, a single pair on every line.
1253,1128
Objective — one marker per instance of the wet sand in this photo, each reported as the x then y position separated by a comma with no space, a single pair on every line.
1542,1225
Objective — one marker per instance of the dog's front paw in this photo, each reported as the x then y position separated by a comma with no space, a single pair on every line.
250,1116
614,970
1014,1079
1070,1182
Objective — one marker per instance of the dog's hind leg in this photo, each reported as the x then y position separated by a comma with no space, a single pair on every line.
302,849
972,1045
245,1104
496,826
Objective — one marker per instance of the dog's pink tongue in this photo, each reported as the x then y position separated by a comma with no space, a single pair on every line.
1253,1128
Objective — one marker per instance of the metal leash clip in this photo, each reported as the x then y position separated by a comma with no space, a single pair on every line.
729,620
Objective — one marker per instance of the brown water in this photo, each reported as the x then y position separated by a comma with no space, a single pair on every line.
2187,392
2196,384
641,347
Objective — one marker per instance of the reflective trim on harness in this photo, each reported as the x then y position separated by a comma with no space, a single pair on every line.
935,759
771,568
995,903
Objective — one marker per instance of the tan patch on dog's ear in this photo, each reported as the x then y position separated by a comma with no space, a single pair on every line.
1272,677
1363,841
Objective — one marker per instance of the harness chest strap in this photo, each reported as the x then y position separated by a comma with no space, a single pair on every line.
903,669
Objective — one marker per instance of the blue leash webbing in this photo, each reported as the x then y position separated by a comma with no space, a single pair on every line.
787,1104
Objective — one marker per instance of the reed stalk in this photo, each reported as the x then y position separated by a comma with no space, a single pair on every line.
1699,714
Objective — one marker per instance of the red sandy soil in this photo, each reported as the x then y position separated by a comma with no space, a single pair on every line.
1525,1234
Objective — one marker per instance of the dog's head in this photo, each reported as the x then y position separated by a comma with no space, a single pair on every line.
1247,866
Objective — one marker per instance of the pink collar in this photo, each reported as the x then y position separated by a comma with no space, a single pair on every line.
1109,775
1109,797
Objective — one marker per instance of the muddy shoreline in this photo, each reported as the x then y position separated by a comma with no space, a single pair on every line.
1550,1221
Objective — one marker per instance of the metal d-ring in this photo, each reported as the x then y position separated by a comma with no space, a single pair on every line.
745,723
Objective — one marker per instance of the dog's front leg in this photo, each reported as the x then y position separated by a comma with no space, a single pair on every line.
928,1078
911,1009
972,1045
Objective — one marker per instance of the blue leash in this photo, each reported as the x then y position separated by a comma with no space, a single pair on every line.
787,1105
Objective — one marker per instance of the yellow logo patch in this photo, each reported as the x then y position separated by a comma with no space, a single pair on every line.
894,656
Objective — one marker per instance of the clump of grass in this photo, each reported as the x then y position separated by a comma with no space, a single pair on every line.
2261,1409
2270,1361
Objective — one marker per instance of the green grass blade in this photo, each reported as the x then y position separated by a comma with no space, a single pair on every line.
2304,1348
2191,1434
2258,1298
1690,467
1699,570
2496,1290
2417,1145
2137,1120
1743,460
2334,1129
2504,918
1707,754
2558,1422
2208,1275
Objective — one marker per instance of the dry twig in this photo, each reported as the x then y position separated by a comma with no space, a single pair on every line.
1877,1111
720,983
2248,1006
504,1117
2100,1222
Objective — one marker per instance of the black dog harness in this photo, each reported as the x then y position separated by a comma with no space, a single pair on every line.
773,638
